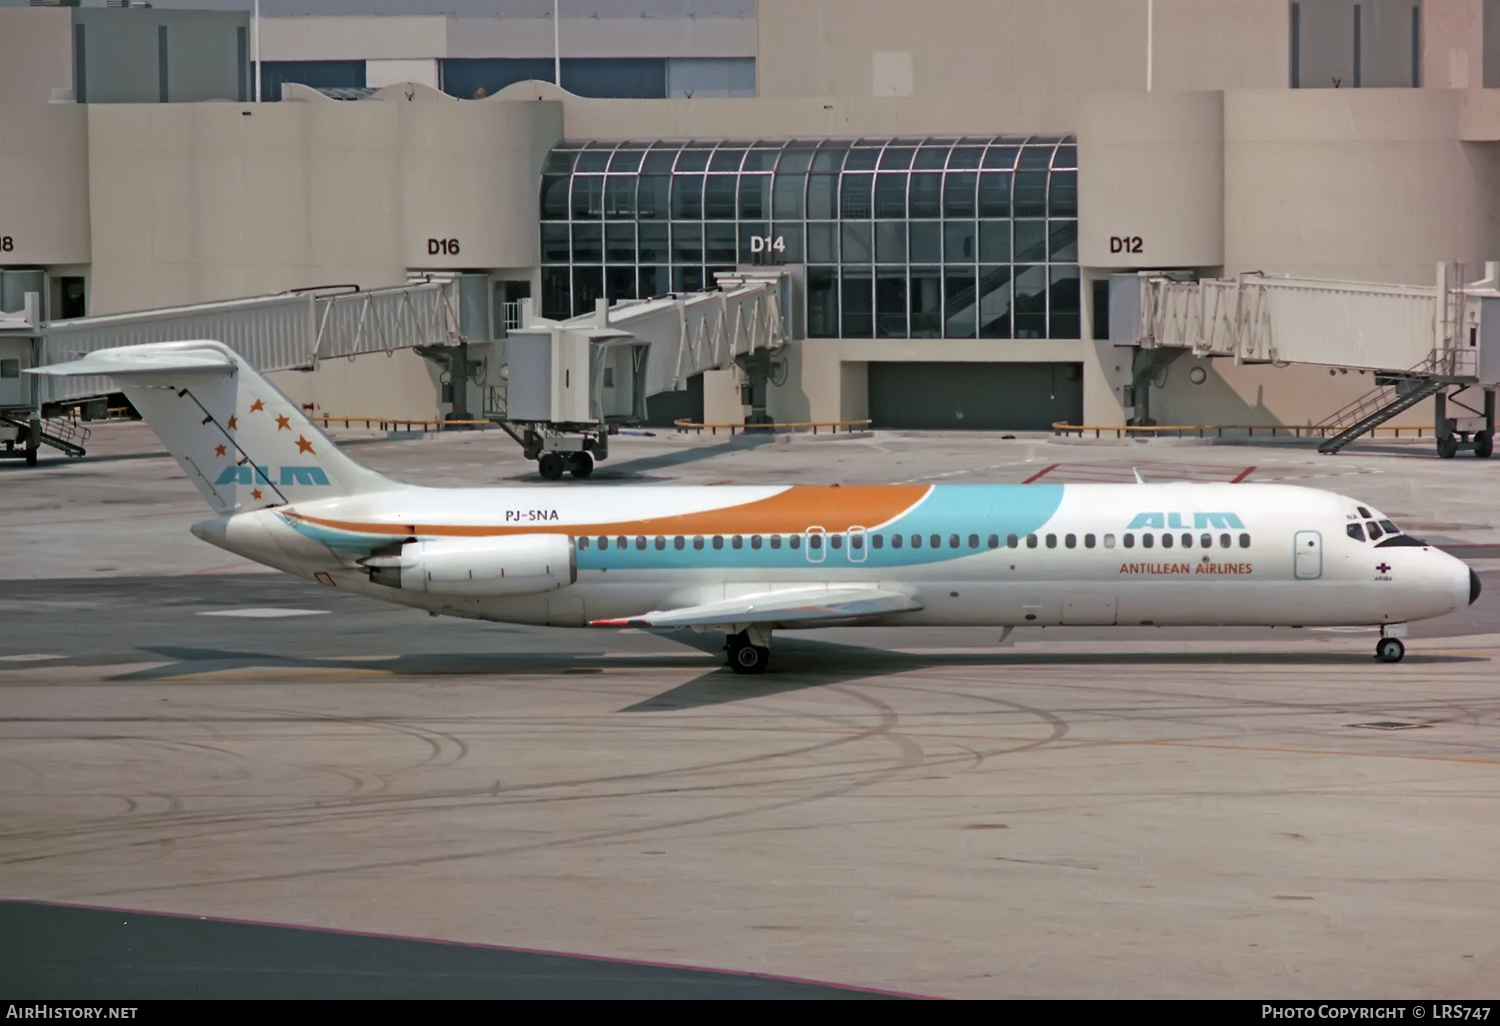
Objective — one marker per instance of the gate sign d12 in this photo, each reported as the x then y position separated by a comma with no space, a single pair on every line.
1125,244
767,244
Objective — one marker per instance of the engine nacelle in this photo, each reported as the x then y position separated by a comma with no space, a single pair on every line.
525,564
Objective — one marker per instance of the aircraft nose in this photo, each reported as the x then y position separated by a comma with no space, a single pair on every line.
1474,588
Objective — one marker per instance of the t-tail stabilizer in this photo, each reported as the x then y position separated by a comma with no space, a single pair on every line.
244,444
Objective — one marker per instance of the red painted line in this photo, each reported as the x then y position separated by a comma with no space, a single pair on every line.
1041,473
1242,475
645,963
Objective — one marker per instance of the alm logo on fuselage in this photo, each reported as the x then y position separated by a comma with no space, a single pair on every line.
1176,520
289,476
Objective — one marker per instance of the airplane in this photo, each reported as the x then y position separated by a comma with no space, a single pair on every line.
751,560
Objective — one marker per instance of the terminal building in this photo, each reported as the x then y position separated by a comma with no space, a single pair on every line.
950,188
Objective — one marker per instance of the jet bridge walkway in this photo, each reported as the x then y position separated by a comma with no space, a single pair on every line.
572,382
1420,342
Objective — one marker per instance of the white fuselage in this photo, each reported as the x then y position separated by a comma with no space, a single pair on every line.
1005,555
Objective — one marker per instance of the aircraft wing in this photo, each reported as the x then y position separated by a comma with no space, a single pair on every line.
777,607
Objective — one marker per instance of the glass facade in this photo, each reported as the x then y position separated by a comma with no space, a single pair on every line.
902,238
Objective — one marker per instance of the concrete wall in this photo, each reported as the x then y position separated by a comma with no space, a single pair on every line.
1370,185
44,183
438,36
213,201
896,48
36,54
1151,168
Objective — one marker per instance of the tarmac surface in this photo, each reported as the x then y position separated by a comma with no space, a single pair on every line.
1077,813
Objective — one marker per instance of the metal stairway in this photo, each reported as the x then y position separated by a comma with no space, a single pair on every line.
1393,395
60,433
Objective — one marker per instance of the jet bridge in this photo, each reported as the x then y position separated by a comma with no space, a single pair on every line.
571,383
1440,341
287,331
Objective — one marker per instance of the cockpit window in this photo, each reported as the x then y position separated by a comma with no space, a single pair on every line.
1399,540
1363,512
1390,528
1356,531
1375,531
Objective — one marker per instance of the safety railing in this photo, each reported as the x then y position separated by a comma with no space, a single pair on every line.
831,426
327,420
1065,430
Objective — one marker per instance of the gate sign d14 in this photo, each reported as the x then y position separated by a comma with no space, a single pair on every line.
767,244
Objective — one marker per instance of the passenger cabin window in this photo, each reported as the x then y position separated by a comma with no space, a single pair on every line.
953,541
1224,541
973,541
698,541
755,541
1109,541
583,543
1166,541
640,541
1051,541
1130,541
877,541
1071,541
1206,541
1187,541
936,541
1088,541
718,541
1012,541
895,541
1356,532
1244,541
775,541
836,541
661,542
737,542
916,541
794,541
856,541
815,541
993,541
679,542
1031,541
1148,540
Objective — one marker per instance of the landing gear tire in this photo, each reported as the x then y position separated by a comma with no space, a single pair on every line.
1389,650
550,466
745,657
1447,447
1484,445
581,464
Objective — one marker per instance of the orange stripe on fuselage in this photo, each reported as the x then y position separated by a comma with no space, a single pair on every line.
790,512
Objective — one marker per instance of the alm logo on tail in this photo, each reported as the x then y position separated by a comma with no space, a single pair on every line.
289,476
1175,520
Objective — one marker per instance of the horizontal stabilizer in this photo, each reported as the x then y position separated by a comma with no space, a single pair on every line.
147,359
777,607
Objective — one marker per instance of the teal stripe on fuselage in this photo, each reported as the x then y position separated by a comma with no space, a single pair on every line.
947,510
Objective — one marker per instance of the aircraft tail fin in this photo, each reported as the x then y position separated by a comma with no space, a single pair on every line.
244,444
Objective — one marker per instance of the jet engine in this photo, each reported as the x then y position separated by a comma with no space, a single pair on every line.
525,564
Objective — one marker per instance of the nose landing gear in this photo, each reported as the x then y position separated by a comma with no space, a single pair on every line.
1389,650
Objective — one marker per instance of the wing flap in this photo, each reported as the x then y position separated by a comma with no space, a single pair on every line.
777,607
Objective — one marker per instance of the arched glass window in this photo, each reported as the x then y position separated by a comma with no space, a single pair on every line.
937,237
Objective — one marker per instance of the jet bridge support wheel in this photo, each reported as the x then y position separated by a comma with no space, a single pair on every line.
550,466
1484,444
1389,650
745,657
581,465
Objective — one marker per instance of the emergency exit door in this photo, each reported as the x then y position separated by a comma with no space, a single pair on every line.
1307,560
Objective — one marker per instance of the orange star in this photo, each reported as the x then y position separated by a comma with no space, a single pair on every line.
255,493
219,450
283,424
303,445
233,421
257,405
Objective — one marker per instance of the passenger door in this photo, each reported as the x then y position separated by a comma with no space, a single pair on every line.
1307,556
815,545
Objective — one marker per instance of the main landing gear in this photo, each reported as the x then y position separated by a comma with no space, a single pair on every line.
750,649
1389,648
